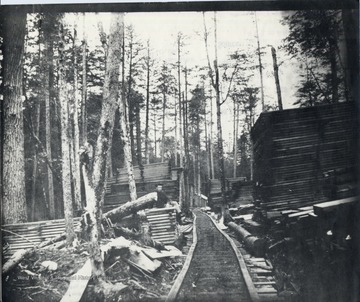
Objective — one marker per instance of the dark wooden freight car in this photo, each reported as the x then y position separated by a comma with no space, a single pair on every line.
306,155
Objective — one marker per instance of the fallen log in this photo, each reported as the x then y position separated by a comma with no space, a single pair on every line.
14,260
253,243
131,207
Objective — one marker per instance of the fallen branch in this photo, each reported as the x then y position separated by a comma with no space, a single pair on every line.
16,234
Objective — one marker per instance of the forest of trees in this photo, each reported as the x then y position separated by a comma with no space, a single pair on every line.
75,112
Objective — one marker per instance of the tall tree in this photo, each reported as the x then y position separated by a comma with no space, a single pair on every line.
64,91
36,128
76,131
104,139
196,113
124,124
180,44
134,58
109,106
165,88
14,202
48,28
84,88
148,65
276,76
258,50
215,78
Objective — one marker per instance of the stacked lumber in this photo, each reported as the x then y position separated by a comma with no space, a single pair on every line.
117,189
155,171
215,191
27,235
243,193
294,148
162,224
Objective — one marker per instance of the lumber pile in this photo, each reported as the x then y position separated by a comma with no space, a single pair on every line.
155,171
162,224
294,149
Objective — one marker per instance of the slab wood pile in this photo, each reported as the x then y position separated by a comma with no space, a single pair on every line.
295,148
27,235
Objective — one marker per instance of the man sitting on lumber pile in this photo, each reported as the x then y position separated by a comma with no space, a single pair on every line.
164,201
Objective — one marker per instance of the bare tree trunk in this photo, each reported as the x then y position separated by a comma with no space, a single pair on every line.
95,187
334,77
207,142
64,91
129,103
181,153
138,141
214,76
260,66
124,125
276,76
211,139
14,202
198,167
48,48
93,232
83,90
35,160
155,138
76,142
37,130
235,139
147,104
186,148
219,128
109,106
163,129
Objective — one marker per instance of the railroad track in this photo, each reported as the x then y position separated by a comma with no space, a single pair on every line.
214,269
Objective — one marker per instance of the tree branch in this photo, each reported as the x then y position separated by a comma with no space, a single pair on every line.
231,79
207,52
42,148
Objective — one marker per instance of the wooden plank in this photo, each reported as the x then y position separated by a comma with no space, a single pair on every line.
330,205
264,282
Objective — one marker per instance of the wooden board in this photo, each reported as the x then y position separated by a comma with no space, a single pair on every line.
331,205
